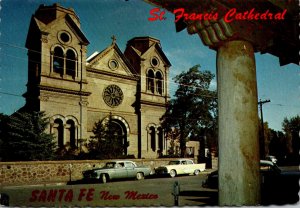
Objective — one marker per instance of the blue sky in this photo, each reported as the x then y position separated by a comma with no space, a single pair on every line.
127,19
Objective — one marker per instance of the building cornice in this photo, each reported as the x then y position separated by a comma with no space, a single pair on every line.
66,91
97,71
153,103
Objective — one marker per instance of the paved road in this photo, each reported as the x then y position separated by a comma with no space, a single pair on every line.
148,192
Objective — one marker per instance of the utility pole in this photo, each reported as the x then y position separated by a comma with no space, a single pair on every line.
262,142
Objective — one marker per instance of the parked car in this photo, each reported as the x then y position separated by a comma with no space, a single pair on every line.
117,170
277,186
265,167
179,167
271,158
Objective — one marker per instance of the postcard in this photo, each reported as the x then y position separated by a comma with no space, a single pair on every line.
149,103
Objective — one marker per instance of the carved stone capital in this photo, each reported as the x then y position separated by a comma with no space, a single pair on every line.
215,32
212,33
271,26
221,21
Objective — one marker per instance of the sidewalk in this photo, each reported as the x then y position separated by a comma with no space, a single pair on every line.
290,168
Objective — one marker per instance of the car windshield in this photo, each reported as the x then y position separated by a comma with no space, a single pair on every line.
276,168
174,162
110,165
269,166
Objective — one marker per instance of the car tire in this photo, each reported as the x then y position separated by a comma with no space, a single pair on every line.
173,173
104,178
196,172
140,176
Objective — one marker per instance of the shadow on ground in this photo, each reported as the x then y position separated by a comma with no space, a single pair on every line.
205,198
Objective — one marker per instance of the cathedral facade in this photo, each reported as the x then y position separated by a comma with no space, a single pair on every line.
76,91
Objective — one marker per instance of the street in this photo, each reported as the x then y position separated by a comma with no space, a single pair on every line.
154,191
148,192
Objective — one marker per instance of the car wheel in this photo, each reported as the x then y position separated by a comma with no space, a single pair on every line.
104,178
139,176
196,172
173,173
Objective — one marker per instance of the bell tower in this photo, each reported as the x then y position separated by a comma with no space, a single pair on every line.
152,66
57,82
56,54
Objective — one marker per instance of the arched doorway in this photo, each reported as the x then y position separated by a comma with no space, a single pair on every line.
118,132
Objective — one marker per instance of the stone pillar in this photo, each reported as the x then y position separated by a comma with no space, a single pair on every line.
64,66
51,63
156,139
239,177
235,42
65,134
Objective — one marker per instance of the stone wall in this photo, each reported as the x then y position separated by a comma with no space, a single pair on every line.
43,172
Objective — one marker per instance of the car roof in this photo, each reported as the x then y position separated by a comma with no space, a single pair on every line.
266,162
118,161
180,159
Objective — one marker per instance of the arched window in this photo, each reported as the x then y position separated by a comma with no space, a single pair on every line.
59,132
70,133
150,81
58,61
152,138
70,63
159,83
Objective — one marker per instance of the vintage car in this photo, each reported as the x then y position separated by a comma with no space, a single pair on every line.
266,168
271,158
180,167
277,186
117,170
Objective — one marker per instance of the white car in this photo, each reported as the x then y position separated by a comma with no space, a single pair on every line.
180,167
271,158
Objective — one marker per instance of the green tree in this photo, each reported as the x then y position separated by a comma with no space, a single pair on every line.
105,143
193,110
277,145
26,138
291,128
264,139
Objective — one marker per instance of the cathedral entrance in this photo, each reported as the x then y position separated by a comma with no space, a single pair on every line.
118,132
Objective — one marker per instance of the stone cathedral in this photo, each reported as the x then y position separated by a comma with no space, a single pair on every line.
76,91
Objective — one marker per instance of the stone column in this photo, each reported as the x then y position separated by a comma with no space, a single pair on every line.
239,177
65,134
156,139
235,42
51,63
64,73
